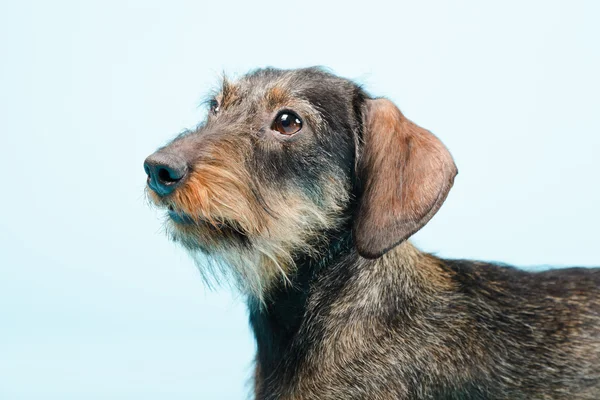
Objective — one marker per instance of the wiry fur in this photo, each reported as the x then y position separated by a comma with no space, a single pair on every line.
265,254
312,228
412,326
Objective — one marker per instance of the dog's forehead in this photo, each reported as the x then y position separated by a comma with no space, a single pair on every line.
274,87
263,81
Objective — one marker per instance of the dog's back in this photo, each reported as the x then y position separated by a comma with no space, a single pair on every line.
542,328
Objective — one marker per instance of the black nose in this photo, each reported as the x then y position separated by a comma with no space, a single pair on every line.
165,172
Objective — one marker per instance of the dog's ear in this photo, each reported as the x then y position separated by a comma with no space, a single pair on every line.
405,174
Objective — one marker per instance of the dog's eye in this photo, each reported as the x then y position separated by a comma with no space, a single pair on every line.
287,123
214,106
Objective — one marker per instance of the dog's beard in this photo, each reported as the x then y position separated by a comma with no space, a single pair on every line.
230,258
226,253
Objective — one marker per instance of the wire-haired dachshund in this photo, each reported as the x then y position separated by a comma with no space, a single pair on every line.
302,190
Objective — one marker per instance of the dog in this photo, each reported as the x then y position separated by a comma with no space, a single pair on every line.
301,190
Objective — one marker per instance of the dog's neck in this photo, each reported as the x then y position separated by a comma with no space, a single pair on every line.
278,319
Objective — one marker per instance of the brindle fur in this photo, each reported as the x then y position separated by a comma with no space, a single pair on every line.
313,229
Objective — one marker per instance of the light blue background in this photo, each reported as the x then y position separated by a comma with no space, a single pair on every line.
95,303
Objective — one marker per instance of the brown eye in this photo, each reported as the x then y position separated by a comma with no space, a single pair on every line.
287,123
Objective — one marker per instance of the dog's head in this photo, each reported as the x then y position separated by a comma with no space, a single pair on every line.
285,160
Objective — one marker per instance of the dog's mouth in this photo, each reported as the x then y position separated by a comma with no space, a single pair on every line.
217,225
181,218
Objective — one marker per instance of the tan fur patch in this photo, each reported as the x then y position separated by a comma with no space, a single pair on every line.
229,94
276,97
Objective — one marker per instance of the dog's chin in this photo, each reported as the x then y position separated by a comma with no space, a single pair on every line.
223,253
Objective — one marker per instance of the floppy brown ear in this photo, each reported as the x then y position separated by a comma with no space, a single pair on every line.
405,173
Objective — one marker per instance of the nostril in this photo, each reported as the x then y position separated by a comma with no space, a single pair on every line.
168,176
